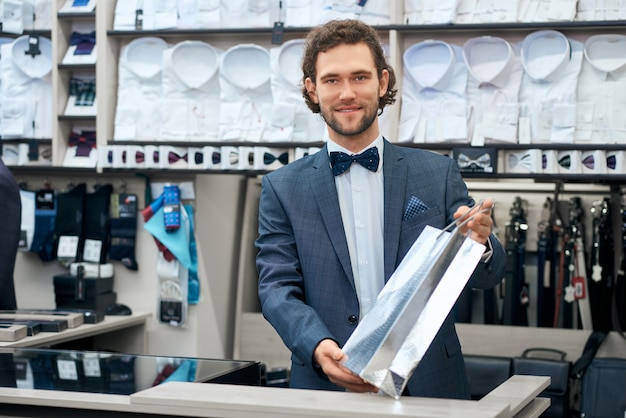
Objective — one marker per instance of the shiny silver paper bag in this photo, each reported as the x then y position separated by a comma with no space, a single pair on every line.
389,342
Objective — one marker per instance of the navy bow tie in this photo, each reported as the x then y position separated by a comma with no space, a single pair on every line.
340,161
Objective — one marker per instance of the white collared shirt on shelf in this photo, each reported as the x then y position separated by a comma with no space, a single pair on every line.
195,14
597,10
26,88
465,11
547,10
125,17
139,91
602,91
191,96
417,12
291,118
159,14
505,11
434,105
358,188
495,75
248,13
374,12
245,93
302,13
547,95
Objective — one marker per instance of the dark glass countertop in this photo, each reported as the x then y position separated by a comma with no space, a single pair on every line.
114,373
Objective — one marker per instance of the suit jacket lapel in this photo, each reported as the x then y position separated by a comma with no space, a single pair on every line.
395,178
325,193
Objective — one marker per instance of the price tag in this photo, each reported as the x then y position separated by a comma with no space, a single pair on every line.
91,367
68,247
67,370
579,287
92,250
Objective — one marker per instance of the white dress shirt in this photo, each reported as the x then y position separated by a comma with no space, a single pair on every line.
417,12
245,93
302,13
492,89
248,13
26,88
374,12
191,95
434,106
551,64
291,118
194,14
602,90
139,92
125,17
547,10
159,14
361,200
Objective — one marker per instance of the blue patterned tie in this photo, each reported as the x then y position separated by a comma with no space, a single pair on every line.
340,161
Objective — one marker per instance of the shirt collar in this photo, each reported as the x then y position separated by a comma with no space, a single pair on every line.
144,56
490,60
194,62
288,59
430,64
246,66
545,55
332,146
606,53
33,66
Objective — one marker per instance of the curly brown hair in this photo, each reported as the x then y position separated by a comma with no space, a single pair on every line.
342,32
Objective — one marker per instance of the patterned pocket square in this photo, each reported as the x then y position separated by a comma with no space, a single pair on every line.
414,207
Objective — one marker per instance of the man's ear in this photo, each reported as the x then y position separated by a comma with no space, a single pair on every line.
383,83
311,90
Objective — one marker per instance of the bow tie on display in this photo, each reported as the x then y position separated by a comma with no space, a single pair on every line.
198,157
524,160
340,161
216,157
270,158
483,161
172,157
611,162
83,142
589,162
84,42
139,157
566,161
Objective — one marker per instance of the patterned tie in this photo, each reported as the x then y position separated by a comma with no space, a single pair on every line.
340,161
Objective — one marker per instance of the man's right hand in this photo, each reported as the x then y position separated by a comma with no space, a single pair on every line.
329,357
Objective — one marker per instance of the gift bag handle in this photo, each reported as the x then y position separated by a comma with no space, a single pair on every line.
465,218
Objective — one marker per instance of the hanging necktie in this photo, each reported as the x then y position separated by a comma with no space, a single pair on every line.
340,161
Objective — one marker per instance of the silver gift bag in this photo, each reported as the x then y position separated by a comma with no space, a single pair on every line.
389,342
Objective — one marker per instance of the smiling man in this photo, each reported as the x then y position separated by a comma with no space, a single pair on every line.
331,232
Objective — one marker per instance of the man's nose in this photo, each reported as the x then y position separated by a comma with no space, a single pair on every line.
347,91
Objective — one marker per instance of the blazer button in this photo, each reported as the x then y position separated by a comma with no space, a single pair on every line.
352,319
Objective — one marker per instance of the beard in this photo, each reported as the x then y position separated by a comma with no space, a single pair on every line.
366,121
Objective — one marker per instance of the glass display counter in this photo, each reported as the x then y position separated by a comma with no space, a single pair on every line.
114,373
